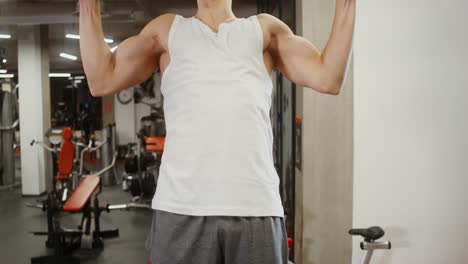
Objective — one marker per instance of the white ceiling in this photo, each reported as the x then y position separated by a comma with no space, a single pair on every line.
126,18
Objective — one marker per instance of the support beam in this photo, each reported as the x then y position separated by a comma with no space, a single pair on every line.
34,94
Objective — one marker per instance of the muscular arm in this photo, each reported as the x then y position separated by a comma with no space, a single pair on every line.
301,62
132,63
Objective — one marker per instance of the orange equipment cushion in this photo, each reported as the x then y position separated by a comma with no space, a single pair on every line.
155,144
66,156
67,134
82,194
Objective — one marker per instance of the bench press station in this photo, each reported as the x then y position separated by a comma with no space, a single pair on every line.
64,241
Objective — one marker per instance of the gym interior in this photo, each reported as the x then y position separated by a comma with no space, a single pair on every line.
78,172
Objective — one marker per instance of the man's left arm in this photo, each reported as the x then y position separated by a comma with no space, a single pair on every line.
301,62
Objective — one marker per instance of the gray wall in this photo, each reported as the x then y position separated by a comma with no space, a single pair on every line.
324,187
411,127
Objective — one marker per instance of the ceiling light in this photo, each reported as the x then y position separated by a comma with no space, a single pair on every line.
4,60
114,49
7,76
72,36
5,36
3,71
68,56
60,75
78,81
80,77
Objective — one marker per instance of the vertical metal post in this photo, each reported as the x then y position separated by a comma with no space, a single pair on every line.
367,257
8,116
108,178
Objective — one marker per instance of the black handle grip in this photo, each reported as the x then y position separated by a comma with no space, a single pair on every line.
369,234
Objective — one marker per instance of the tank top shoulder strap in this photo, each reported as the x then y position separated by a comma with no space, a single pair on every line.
172,32
257,31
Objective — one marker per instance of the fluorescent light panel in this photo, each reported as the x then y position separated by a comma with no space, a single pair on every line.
5,36
7,76
73,36
60,75
3,71
68,56
80,77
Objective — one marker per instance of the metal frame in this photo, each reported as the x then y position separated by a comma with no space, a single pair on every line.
370,247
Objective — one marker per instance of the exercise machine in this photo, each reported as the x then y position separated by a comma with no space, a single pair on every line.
143,159
85,201
67,167
370,244
8,125
141,171
62,149
109,134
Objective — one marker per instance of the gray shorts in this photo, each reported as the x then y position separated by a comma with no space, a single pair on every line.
181,239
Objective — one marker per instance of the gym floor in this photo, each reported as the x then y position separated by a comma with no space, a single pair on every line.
17,245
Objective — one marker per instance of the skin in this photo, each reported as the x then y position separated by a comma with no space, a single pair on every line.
138,57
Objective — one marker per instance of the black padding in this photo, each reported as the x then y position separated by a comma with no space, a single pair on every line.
369,234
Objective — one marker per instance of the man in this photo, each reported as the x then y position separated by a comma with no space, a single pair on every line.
217,199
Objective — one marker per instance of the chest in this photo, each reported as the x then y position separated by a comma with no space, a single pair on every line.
239,43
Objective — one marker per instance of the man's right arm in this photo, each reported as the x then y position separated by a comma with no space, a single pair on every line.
136,59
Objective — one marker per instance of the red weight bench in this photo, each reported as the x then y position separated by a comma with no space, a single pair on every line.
64,242
82,194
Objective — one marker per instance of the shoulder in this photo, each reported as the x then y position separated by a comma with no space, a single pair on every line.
267,18
273,30
157,31
272,24
161,24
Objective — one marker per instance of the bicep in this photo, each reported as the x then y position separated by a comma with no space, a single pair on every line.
133,62
294,56
137,58
299,60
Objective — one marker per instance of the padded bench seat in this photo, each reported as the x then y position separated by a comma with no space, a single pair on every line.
82,194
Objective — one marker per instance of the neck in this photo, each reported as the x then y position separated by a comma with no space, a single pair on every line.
215,11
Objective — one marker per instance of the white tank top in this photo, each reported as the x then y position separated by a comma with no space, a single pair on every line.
218,157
